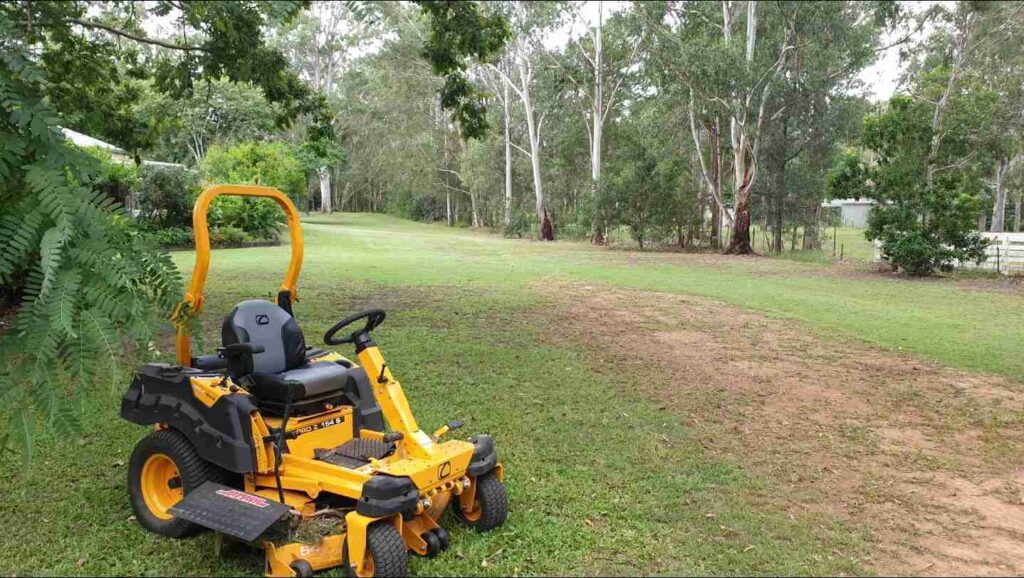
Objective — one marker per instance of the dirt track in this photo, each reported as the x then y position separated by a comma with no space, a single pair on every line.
925,456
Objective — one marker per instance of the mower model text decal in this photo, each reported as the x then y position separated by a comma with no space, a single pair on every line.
244,497
326,423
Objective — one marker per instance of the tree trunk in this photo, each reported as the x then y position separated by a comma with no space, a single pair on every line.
448,206
1017,211
531,127
506,105
716,180
547,232
740,242
597,113
999,207
472,207
325,189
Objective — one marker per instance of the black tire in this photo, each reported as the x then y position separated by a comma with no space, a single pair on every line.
193,471
433,544
302,569
443,536
492,502
386,546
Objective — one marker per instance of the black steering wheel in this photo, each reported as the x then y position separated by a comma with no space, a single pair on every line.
374,317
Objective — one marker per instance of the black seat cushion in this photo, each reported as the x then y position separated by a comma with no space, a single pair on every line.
313,380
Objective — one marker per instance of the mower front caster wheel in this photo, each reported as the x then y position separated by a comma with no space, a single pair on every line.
490,505
302,569
385,553
163,468
433,544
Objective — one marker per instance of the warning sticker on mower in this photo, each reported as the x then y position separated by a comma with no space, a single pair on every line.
244,497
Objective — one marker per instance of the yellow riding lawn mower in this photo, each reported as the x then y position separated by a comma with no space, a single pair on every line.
297,450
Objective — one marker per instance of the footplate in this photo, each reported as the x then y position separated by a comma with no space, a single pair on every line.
355,453
233,512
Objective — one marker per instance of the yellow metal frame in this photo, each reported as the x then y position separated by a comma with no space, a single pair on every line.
192,303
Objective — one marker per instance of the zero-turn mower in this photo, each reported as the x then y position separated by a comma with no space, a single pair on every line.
297,450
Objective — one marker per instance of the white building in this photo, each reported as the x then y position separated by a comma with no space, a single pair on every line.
854,213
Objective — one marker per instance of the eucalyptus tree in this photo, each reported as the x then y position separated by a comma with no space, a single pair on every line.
811,109
598,71
528,22
320,44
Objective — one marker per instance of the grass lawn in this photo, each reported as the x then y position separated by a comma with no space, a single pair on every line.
601,480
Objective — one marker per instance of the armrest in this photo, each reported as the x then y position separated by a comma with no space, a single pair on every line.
239,349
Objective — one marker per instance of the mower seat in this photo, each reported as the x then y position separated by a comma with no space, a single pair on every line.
282,363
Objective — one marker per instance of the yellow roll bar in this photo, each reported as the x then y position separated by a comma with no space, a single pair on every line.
192,304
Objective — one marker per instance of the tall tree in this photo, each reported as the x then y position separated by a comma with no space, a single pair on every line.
604,72
527,21
319,44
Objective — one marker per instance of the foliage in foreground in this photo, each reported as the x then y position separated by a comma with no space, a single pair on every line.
86,284
88,280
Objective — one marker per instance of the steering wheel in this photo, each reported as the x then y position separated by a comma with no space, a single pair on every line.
374,317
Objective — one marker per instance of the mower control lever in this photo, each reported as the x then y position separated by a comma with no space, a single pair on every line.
452,425
361,337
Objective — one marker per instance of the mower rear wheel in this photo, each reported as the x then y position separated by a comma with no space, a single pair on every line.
386,554
490,506
163,468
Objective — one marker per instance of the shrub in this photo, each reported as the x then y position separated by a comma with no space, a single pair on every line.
116,179
172,237
257,217
923,224
228,236
272,164
166,196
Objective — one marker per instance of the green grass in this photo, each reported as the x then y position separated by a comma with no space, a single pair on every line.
601,481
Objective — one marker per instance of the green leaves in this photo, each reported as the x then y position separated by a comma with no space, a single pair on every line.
86,286
460,32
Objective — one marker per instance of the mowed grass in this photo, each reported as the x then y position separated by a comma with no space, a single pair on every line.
601,481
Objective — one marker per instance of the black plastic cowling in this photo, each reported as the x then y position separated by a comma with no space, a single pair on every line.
385,495
485,456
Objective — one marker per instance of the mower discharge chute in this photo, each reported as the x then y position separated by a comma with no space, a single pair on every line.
294,449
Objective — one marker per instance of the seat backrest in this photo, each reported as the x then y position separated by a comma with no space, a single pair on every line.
263,323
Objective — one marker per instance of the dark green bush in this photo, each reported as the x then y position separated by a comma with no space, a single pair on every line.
228,236
172,237
257,217
166,196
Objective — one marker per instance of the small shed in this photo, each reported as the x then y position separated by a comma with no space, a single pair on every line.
853,212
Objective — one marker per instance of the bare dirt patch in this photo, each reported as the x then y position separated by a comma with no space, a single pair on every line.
923,455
